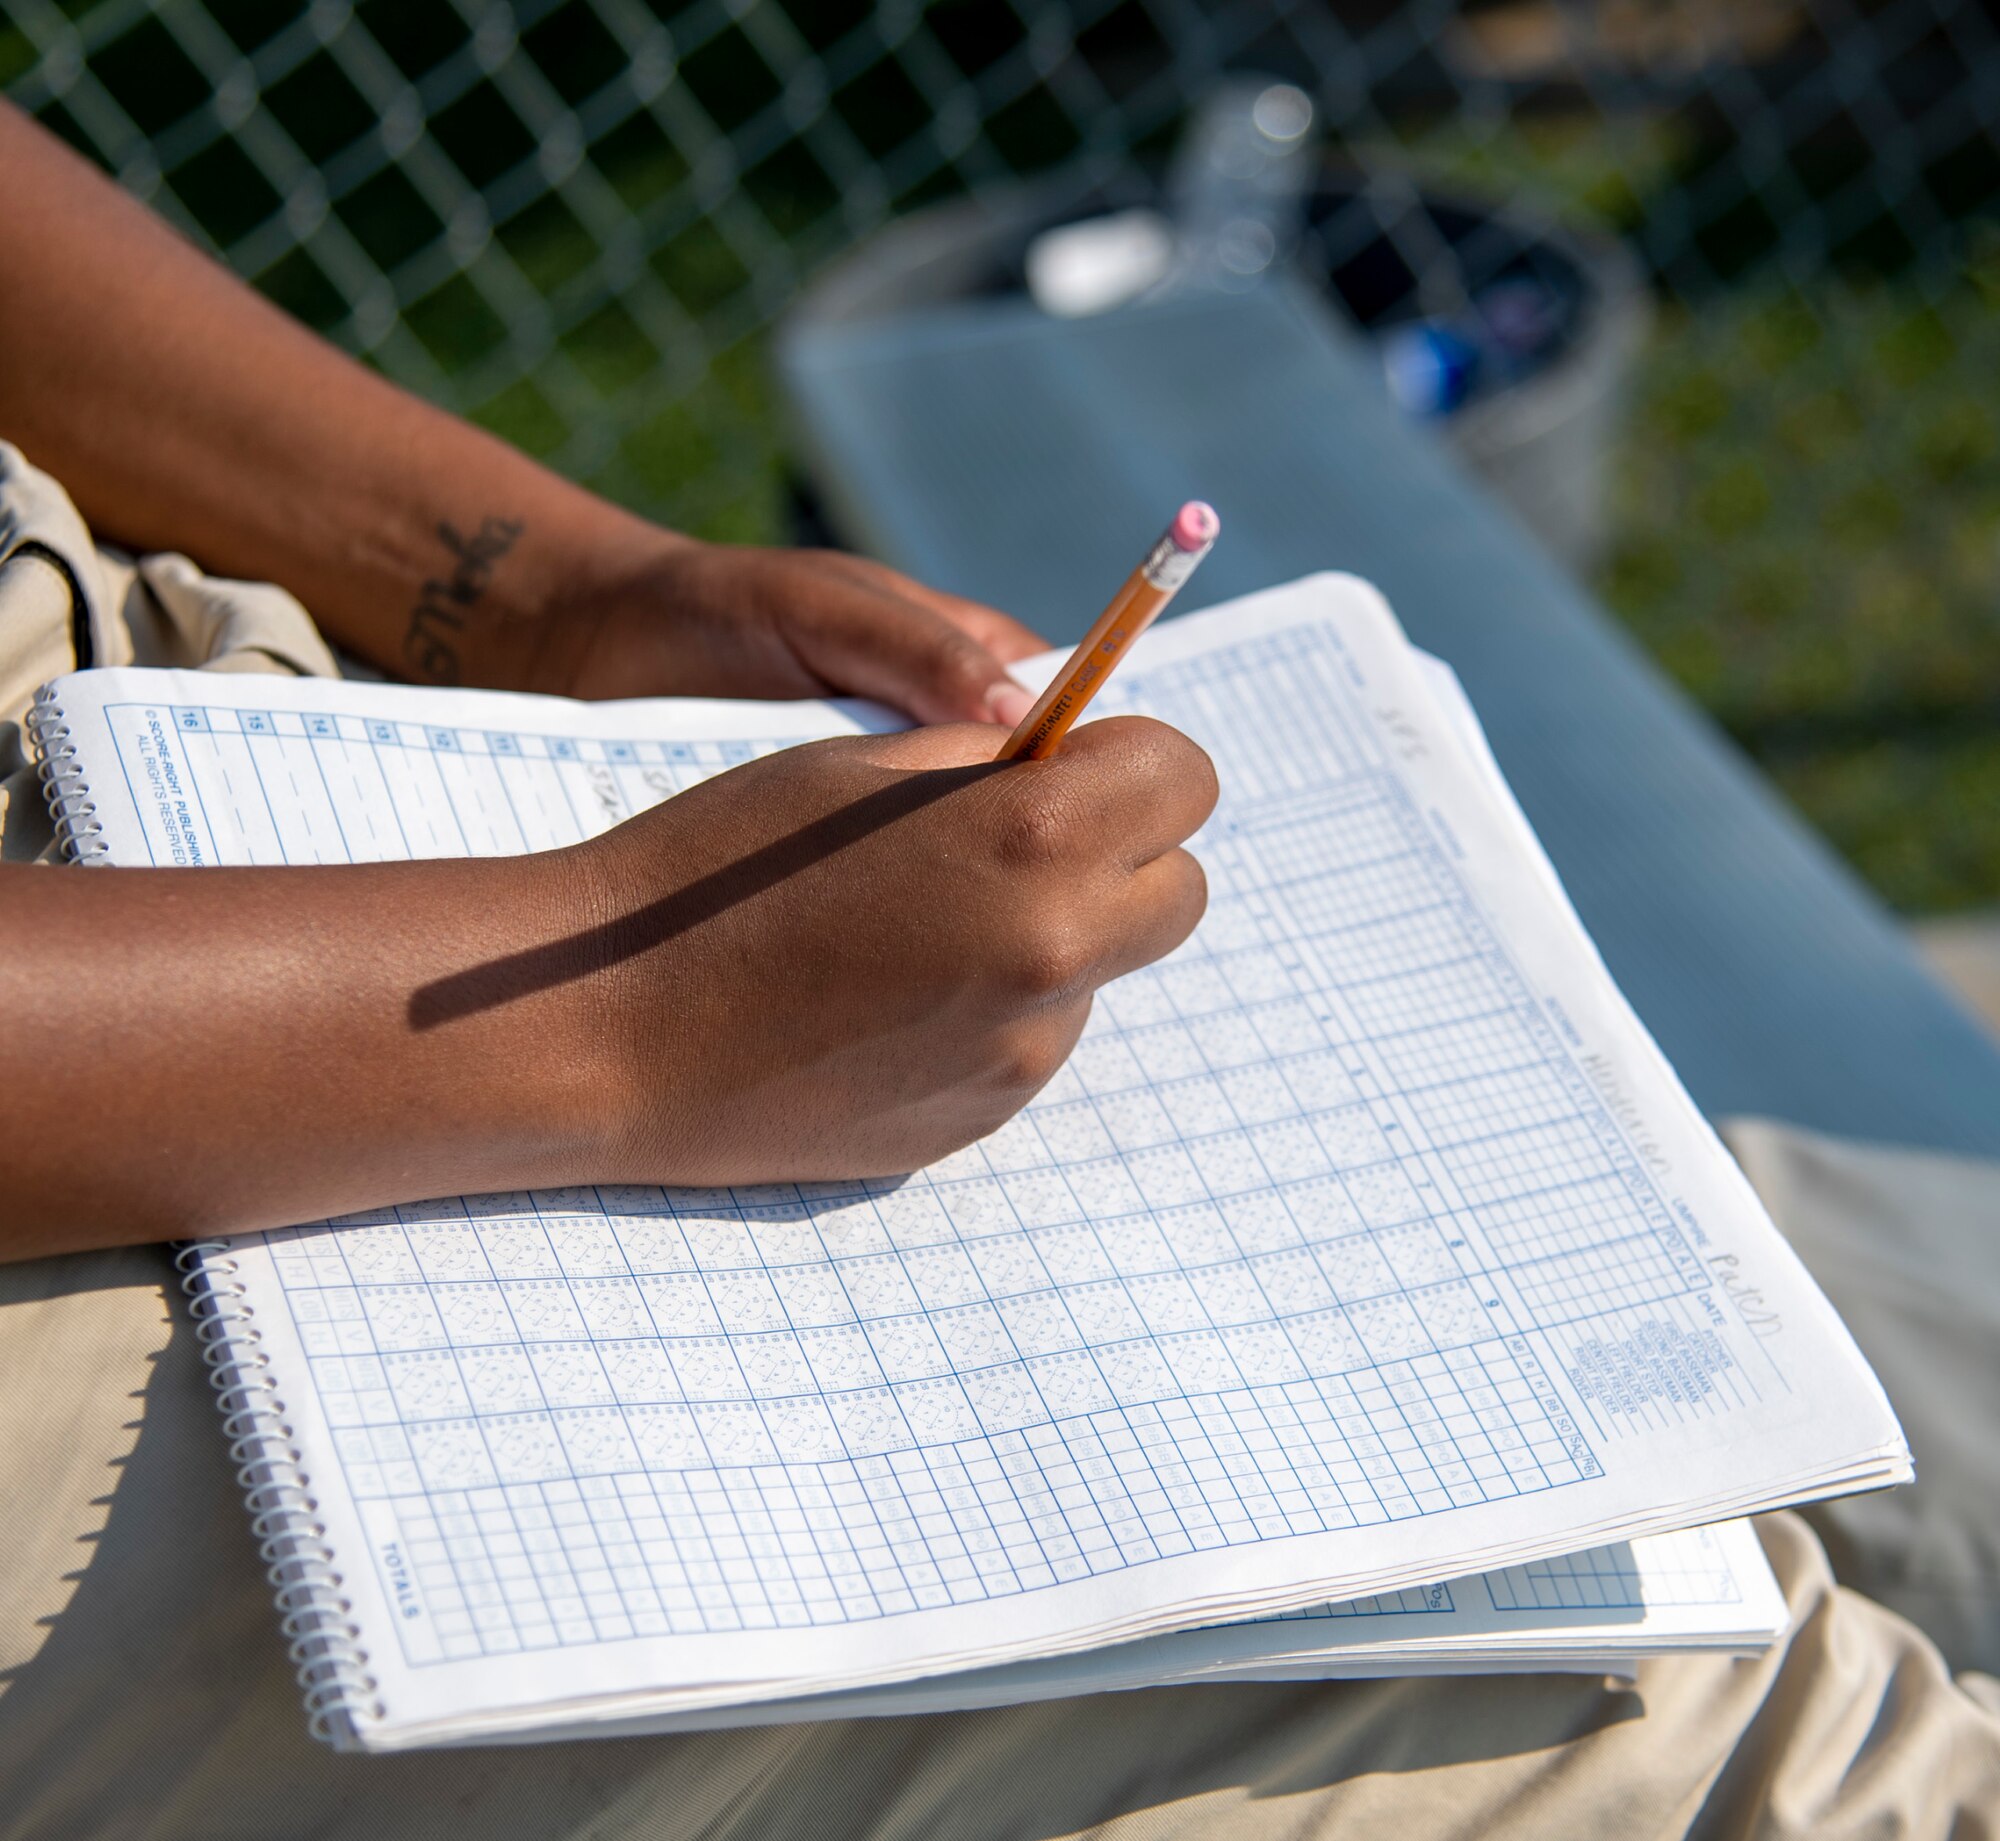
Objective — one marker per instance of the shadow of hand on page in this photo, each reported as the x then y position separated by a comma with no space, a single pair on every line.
541,968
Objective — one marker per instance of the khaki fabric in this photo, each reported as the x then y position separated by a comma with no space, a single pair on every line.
35,645
66,603
1907,1244
145,1693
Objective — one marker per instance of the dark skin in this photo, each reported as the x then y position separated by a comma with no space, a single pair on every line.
844,960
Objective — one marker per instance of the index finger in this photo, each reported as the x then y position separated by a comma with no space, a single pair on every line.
1001,634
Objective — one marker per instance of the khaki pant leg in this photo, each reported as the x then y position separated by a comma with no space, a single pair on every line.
144,1691
35,646
1907,1246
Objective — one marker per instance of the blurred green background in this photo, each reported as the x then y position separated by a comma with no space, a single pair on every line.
577,222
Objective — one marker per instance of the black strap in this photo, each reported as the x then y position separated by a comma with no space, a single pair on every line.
80,640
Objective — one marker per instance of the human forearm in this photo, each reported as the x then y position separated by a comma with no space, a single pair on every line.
200,1051
184,412
846,959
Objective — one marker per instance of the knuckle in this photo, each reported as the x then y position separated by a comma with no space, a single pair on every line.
954,660
1192,893
1028,1059
1036,827
1050,962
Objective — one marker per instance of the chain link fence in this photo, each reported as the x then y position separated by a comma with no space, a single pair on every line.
574,220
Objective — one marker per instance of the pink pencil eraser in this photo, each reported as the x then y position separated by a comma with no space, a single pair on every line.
1194,527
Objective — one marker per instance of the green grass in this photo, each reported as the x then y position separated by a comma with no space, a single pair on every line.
1807,536
1805,512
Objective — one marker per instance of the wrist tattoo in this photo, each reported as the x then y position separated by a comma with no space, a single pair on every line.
437,622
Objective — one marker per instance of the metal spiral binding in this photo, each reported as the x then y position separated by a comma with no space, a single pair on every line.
325,1644
78,830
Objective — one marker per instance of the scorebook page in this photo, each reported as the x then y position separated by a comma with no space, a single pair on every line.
1365,1241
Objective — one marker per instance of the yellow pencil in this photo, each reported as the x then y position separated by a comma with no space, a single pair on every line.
1133,609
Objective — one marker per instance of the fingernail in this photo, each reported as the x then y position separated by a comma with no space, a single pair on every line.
1008,702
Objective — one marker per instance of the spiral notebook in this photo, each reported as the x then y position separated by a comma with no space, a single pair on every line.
1365,1243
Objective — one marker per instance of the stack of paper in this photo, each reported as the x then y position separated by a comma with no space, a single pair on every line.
1366,1242
1601,1612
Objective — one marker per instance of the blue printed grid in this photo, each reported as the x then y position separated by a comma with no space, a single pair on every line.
286,787
524,1421
1263,1260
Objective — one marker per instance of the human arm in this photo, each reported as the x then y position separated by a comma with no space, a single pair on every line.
846,959
184,412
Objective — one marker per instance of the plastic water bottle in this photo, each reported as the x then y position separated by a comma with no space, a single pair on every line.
1237,188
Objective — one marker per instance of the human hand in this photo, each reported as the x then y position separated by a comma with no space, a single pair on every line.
682,618
844,960
873,950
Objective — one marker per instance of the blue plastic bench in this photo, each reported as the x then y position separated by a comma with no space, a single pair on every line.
1025,460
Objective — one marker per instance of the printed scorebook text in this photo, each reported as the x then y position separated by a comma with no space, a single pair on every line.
1365,1240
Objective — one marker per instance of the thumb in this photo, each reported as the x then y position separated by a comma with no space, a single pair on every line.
881,646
